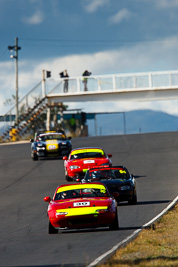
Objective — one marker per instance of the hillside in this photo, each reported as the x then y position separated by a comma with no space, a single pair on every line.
140,121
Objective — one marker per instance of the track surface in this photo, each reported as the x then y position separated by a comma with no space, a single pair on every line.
152,158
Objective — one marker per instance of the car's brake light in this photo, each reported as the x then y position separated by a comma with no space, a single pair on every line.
102,210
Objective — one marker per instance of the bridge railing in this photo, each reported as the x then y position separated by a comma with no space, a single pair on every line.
130,81
98,83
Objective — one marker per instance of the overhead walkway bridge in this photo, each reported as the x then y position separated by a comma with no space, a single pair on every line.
147,86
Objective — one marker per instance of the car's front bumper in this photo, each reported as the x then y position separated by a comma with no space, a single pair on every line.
52,153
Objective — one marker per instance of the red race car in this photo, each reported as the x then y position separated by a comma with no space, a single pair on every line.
81,159
77,206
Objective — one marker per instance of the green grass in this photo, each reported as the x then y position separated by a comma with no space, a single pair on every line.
155,246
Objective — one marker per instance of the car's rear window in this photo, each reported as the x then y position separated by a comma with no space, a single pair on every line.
97,175
81,193
87,155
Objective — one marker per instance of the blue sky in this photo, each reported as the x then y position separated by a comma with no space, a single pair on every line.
104,36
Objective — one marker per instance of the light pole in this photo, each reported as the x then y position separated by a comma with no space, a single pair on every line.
16,48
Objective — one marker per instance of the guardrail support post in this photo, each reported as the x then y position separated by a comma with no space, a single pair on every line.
150,80
78,85
114,82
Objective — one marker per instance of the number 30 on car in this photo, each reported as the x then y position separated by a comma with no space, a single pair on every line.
76,206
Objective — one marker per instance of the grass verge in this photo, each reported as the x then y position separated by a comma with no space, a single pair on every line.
155,246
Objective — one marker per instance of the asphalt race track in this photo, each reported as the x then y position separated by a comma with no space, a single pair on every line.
24,241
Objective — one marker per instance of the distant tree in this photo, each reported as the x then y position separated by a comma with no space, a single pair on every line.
10,101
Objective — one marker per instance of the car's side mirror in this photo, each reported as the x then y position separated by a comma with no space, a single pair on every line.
69,138
31,140
65,158
47,199
109,155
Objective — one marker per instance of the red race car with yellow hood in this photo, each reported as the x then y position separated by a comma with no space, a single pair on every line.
76,206
81,159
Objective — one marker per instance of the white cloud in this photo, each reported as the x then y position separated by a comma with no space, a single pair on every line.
121,15
92,6
36,18
166,3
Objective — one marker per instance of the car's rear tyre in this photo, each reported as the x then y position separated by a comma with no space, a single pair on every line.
34,156
68,179
51,229
115,224
133,201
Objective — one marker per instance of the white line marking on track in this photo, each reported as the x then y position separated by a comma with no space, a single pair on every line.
133,234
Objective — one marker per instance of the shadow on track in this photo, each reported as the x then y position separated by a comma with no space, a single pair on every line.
88,230
145,203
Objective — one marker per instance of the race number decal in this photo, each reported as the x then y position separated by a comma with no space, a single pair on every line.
50,147
122,171
88,161
81,204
